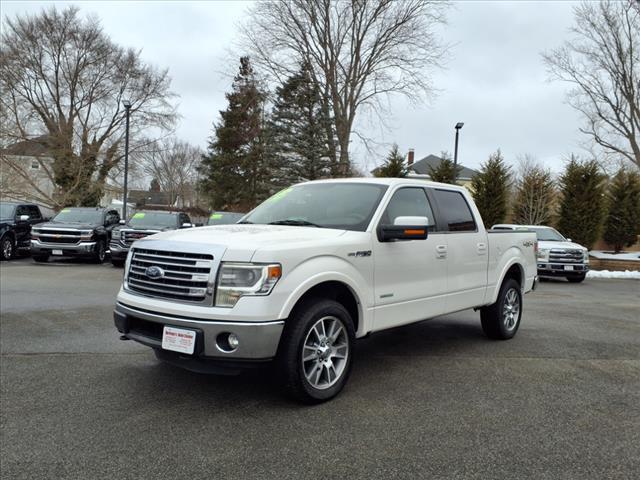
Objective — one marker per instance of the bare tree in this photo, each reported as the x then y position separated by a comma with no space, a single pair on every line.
358,51
63,81
535,193
174,164
602,62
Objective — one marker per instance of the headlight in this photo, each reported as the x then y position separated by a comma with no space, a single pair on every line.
86,234
585,256
237,280
115,234
127,264
543,254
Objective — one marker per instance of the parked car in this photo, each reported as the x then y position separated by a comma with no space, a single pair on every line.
75,232
16,220
557,256
313,268
140,225
224,218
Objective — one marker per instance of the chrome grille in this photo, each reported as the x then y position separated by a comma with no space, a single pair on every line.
557,255
130,236
185,275
57,236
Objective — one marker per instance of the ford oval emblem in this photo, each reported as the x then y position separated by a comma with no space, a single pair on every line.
154,272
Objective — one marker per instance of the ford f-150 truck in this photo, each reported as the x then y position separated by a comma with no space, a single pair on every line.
75,232
557,256
140,225
313,268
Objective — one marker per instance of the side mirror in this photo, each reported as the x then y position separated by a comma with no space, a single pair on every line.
24,218
569,240
186,225
122,222
404,228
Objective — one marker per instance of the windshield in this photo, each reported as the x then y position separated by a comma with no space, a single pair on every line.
224,218
79,215
6,210
158,219
345,206
548,235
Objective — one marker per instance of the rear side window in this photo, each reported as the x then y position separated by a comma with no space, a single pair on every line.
408,202
455,211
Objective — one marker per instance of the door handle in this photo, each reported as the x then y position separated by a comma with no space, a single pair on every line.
482,248
441,251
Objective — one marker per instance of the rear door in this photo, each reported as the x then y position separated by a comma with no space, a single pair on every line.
410,275
467,250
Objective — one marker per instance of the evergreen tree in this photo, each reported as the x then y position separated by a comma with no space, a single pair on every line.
534,195
582,204
393,165
622,226
491,189
235,169
299,130
446,171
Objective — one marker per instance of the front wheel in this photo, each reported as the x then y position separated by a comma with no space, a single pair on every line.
577,278
316,351
502,319
7,248
100,252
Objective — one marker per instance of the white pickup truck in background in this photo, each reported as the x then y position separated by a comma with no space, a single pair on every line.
313,268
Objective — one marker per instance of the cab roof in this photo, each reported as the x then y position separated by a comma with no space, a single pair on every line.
388,182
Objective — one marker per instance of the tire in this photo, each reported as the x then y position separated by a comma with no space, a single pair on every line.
40,258
100,252
7,248
117,263
322,373
577,278
501,320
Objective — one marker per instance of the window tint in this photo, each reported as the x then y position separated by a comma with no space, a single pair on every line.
22,210
408,202
112,217
34,212
455,211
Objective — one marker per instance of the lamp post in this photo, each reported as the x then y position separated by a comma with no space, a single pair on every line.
458,126
127,107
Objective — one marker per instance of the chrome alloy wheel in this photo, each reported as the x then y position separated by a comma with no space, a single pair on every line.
511,309
325,352
7,248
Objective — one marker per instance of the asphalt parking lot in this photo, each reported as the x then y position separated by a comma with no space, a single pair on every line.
432,400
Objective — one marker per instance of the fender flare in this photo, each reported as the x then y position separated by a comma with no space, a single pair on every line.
503,274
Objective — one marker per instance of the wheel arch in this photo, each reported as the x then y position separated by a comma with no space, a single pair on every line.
513,270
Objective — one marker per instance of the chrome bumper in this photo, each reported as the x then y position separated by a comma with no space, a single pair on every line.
67,248
257,340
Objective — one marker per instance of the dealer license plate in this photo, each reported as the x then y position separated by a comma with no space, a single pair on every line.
56,252
568,267
178,340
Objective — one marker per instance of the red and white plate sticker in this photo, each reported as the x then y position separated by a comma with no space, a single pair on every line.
178,340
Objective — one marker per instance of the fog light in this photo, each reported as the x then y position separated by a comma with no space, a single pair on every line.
227,342
233,341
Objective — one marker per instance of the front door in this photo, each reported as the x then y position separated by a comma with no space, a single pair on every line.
410,276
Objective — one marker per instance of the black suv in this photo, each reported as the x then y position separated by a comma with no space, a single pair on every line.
78,232
140,225
16,220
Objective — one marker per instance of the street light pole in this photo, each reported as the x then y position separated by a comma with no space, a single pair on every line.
127,107
458,126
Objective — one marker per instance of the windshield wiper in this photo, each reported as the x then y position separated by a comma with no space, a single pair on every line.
295,223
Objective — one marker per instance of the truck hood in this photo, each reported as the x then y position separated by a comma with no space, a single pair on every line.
241,241
560,245
76,226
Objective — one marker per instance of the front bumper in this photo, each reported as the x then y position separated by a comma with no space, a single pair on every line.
258,341
118,251
562,269
80,249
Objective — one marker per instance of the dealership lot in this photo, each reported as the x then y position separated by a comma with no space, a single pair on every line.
435,399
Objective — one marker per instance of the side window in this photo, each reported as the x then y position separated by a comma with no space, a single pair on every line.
34,212
112,217
185,218
408,202
22,210
455,211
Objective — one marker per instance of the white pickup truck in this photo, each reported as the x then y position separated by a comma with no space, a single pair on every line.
313,268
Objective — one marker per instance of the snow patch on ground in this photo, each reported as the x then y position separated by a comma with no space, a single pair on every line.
610,274
615,256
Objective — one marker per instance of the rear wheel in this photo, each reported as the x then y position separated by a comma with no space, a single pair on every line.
7,248
100,252
577,278
502,319
316,351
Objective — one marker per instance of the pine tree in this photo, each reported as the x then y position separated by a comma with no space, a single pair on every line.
236,169
393,165
299,130
534,195
622,226
446,171
491,189
582,203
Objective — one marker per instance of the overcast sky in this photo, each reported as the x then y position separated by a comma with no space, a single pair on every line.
495,81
